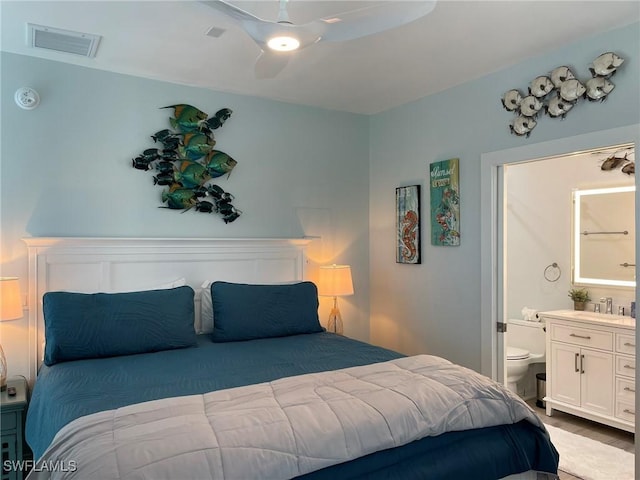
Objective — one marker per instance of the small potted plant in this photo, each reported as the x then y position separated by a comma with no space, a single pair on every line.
580,297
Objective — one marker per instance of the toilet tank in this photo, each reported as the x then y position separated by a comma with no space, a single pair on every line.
527,335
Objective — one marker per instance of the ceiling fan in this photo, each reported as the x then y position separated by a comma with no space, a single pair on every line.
279,39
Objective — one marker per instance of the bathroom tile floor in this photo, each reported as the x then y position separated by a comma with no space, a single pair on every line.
580,426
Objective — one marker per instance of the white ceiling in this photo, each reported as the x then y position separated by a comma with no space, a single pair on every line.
457,42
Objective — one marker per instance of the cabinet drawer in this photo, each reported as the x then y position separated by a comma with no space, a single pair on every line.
626,390
9,421
625,344
625,411
626,366
582,336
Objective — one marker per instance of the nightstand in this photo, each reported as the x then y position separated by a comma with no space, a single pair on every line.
13,411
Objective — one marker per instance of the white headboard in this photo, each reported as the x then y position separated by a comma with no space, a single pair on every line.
120,264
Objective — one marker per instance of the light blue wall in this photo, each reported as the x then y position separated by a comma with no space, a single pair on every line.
435,307
66,171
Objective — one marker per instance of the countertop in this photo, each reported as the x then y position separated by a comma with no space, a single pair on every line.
592,318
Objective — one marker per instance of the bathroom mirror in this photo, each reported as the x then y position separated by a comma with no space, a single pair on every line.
604,237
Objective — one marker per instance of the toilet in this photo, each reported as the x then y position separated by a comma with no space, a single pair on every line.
526,345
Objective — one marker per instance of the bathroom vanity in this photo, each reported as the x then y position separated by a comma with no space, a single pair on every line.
591,361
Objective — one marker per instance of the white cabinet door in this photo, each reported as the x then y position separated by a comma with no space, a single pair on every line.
565,373
597,381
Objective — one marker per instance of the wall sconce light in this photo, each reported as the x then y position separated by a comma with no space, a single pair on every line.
335,281
10,309
27,98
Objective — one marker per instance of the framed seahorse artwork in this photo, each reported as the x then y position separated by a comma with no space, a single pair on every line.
408,224
444,180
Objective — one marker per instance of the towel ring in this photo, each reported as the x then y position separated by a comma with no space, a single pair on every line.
548,272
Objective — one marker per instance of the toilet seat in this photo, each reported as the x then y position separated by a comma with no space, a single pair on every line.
515,353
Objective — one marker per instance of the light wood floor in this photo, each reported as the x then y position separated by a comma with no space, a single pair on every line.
580,426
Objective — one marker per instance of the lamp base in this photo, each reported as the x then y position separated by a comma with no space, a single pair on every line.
334,324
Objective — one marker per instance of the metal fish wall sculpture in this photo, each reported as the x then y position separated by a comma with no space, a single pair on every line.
624,163
558,92
187,163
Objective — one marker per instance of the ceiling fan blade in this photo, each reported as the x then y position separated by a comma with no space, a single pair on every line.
269,64
373,19
232,11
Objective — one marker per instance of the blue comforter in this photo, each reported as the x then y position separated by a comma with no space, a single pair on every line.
70,390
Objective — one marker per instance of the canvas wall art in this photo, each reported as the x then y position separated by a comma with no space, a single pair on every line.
445,202
408,224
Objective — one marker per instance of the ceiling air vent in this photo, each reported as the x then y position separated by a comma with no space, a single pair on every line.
59,40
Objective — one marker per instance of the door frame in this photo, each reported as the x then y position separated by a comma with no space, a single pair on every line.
492,350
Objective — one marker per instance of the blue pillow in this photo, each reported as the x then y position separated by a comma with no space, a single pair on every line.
247,312
81,325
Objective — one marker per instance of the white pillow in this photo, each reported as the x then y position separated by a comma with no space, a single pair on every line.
206,309
178,282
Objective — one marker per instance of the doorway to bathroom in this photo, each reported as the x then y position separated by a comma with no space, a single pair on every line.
535,201
538,230
492,212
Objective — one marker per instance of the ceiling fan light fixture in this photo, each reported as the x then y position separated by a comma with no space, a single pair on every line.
283,43
276,39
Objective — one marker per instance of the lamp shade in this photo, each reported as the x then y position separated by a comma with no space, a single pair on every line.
10,299
335,281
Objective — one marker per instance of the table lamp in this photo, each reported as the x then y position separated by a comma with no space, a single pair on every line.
335,281
10,309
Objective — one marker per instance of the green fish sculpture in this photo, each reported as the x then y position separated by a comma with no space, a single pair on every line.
187,162
191,174
186,118
218,163
218,119
179,198
196,145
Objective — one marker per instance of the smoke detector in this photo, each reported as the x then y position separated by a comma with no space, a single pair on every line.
49,38
27,98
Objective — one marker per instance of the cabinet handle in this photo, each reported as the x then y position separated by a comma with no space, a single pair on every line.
627,344
586,337
627,389
575,363
581,363
631,412
630,367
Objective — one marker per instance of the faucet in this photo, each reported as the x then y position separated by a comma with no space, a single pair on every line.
609,300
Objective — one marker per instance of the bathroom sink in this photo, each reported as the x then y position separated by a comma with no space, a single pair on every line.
592,317
595,315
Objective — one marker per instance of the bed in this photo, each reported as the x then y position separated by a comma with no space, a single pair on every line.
262,391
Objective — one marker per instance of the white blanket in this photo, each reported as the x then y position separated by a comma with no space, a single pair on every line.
283,428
